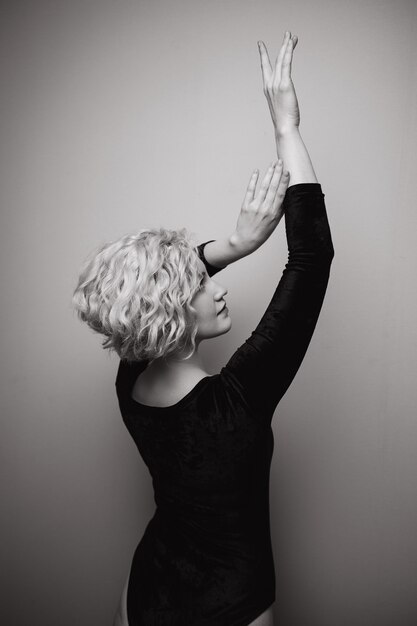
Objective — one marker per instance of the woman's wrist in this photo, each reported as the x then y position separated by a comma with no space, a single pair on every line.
241,247
283,132
224,251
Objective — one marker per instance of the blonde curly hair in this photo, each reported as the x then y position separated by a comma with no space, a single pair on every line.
137,291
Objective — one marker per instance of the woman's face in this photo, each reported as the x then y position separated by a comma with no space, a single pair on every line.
212,318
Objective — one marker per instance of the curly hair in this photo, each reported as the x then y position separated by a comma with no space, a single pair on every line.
137,292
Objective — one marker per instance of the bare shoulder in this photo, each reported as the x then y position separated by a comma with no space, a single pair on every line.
161,390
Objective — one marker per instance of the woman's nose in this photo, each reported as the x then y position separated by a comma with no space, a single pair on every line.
221,292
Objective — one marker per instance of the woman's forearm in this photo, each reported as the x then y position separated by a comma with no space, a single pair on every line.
291,149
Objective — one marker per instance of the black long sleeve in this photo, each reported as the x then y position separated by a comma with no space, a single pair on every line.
263,367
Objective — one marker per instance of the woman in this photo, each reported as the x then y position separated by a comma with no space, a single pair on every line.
205,558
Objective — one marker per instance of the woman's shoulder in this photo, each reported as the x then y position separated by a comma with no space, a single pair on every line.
156,390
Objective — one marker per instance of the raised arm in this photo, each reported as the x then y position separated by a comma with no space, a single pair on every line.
263,367
252,229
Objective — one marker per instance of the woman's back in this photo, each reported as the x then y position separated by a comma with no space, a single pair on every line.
205,556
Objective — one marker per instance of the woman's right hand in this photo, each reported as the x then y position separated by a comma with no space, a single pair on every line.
278,86
260,214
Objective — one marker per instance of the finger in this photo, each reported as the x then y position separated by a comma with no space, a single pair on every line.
265,62
266,182
280,56
274,184
281,190
250,192
287,60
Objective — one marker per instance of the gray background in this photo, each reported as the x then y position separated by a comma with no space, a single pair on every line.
121,115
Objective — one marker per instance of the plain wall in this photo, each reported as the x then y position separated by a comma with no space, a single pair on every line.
121,115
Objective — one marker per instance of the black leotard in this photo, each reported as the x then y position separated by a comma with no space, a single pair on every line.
205,558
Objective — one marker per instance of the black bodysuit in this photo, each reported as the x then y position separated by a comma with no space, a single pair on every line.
205,558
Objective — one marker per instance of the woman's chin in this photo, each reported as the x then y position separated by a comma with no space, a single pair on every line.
222,327
227,324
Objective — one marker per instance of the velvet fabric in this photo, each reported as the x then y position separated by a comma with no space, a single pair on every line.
205,558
